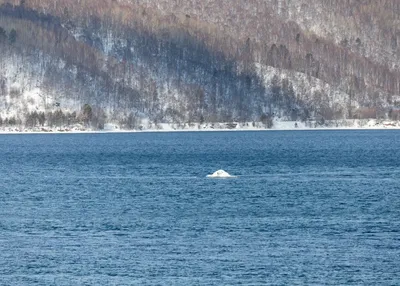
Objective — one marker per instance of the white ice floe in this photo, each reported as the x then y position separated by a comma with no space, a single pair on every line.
220,174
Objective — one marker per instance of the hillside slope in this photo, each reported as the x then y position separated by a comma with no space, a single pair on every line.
197,61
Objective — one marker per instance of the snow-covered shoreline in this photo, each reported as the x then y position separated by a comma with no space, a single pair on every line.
250,126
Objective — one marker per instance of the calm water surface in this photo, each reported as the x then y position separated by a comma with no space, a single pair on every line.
318,207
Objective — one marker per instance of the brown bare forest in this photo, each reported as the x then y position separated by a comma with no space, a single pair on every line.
204,61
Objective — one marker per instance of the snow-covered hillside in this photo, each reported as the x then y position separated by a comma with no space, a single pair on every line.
134,63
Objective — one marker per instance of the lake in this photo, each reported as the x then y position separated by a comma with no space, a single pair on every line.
307,207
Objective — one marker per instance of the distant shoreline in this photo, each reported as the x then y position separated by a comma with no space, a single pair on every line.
147,127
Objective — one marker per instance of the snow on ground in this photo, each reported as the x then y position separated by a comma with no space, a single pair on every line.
248,126
33,100
304,86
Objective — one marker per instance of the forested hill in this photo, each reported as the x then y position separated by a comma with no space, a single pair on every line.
182,61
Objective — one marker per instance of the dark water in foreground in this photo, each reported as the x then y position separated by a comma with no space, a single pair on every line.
307,208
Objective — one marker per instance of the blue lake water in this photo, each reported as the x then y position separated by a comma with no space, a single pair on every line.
307,208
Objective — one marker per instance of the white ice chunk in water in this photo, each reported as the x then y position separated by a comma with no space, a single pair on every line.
220,174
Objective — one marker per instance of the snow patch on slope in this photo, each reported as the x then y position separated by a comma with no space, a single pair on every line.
306,87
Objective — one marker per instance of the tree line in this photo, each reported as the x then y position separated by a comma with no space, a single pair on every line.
87,117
